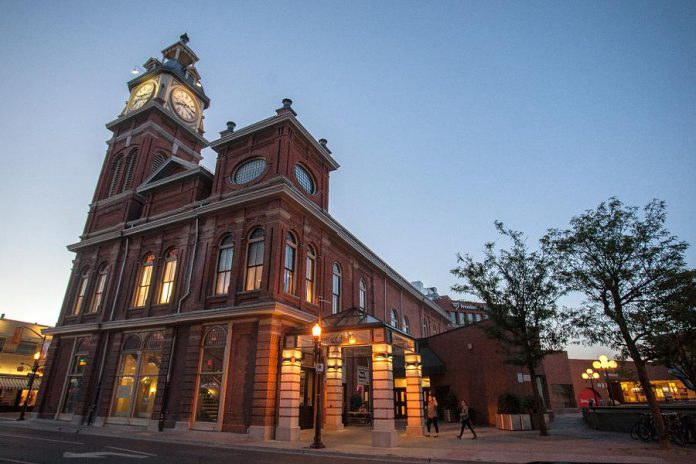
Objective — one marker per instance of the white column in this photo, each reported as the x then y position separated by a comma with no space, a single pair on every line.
288,428
384,433
414,395
334,389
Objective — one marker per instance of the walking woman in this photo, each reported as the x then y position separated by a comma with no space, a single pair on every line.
432,416
466,421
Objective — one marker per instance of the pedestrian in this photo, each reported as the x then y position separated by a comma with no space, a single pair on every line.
465,420
432,416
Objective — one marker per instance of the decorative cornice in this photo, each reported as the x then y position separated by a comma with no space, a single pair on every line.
231,136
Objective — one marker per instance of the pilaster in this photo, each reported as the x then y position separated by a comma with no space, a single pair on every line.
384,433
334,389
288,428
414,395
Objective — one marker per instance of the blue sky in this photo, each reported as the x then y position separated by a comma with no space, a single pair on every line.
445,116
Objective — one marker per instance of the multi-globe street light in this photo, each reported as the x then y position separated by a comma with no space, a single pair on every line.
591,375
605,364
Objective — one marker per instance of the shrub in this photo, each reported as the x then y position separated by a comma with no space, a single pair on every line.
508,404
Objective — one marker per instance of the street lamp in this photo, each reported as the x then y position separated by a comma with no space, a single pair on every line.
591,375
604,364
32,376
318,369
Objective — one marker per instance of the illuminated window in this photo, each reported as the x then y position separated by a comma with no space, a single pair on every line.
224,266
394,322
407,326
99,288
255,260
210,375
75,375
310,274
138,374
142,287
289,264
168,275
362,295
249,170
81,290
336,290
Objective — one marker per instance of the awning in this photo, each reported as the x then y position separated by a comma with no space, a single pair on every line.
11,382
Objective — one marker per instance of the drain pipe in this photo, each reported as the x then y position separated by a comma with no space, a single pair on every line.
93,408
167,382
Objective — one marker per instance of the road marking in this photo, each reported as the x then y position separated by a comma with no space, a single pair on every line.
16,461
28,437
102,454
131,451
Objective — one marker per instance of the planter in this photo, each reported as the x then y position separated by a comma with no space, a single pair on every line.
513,422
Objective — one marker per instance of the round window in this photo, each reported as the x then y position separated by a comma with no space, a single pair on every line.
304,178
249,170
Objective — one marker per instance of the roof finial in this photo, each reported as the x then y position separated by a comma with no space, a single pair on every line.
287,107
184,38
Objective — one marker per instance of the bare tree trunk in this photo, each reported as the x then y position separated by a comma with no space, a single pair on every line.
652,404
538,402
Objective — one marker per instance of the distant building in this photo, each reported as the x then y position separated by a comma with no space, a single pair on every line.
18,344
462,312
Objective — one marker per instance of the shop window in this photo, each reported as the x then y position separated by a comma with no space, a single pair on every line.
255,260
210,375
224,266
75,375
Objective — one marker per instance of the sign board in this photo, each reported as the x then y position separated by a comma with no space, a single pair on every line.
319,367
363,375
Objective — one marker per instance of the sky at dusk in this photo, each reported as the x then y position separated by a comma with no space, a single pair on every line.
444,116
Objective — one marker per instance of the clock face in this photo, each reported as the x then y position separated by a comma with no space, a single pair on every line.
142,95
184,105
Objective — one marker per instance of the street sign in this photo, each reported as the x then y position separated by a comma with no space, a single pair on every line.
319,367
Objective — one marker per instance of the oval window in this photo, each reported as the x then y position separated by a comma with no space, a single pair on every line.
249,170
304,178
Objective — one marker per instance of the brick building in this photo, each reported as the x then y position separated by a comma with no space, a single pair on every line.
193,293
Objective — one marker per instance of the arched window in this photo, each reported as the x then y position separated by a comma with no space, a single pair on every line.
289,265
362,295
116,171
75,375
210,375
128,172
336,289
168,275
310,274
407,326
136,383
157,161
99,289
224,266
426,328
394,322
142,285
81,290
255,260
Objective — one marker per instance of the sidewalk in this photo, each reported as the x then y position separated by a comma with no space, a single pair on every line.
571,441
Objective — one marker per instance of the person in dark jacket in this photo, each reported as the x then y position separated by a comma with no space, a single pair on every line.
465,420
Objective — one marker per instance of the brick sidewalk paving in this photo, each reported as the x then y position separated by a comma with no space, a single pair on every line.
570,441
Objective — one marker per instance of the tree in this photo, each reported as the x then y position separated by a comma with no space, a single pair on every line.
520,293
673,342
625,263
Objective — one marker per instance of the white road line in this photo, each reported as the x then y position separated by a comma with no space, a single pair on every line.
29,437
16,461
131,451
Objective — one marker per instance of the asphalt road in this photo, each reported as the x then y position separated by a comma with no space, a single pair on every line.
28,446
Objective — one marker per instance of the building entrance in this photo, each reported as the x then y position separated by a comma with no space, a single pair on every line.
307,396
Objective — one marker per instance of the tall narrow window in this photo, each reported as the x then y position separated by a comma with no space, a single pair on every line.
116,175
426,328
210,375
362,297
407,326
81,289
289,266
255,260
168,275
148,376
310,274
128,173
99,288
142,285
336,290
224,266
394,318
75,374
126,377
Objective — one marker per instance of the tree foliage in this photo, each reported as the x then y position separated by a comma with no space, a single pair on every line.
625,264
520,292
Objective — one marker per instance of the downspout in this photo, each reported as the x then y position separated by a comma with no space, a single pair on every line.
93,408
167,382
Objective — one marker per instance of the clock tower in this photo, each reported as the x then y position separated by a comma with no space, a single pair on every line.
162,120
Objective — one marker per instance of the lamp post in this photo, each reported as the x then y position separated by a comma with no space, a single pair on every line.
32,376
591,375
318,368
604,364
